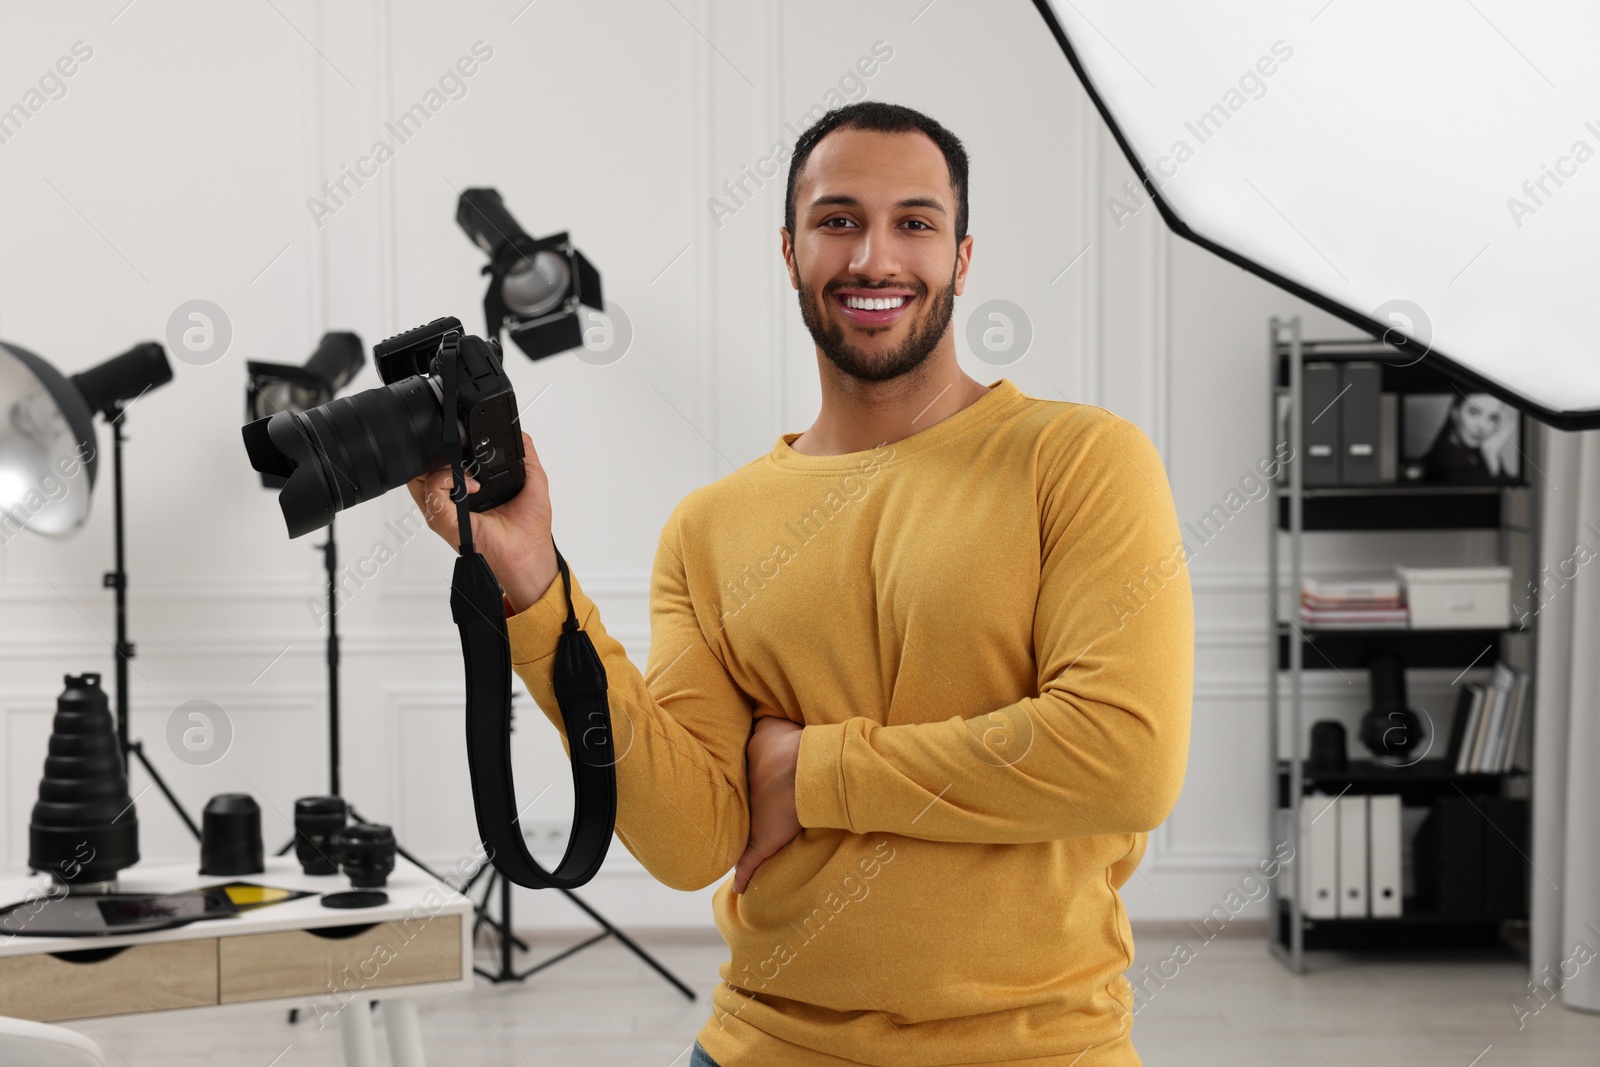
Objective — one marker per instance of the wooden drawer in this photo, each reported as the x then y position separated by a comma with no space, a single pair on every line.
93,982
339,960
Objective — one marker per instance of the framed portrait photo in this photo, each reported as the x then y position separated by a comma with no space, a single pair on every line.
1459,438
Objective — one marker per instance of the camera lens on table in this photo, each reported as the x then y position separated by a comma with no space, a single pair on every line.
316,821
366,853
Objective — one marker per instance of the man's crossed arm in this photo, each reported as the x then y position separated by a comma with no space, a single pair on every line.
1101,750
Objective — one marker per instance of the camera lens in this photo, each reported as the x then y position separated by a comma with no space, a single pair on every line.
349,450
316,821
366,853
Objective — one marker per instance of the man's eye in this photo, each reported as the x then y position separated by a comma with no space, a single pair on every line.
828,224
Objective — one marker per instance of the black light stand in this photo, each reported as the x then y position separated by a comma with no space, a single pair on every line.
330,563
55,410
535,289
118,581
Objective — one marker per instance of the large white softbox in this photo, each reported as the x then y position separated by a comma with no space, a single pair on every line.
1427,170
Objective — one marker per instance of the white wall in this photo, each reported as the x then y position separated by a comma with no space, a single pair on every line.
179,164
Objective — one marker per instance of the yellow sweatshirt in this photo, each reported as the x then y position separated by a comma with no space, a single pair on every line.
986,629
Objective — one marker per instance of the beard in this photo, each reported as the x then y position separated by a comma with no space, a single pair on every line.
829,334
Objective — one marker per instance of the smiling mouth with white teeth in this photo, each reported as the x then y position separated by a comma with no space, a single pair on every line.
874,304
873,310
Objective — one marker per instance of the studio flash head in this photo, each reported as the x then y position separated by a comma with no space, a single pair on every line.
358,447
536,286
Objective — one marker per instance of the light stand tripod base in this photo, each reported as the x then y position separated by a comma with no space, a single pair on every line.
117,580
508,973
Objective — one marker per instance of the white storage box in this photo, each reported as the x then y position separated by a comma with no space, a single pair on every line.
1457,598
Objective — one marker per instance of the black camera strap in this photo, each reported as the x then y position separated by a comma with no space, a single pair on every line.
580,684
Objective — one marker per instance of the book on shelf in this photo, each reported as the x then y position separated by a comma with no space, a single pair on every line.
1375,592
1470,732
1372,618
1490,727
1375,603
1504,745
1500,683
1461,725
1480,743
1518,755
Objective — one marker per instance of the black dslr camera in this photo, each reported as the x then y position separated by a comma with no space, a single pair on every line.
361,446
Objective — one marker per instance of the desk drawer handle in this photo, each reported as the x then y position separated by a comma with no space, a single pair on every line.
340,933
89,955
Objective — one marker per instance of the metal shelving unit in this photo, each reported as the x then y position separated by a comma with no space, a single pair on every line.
1295,510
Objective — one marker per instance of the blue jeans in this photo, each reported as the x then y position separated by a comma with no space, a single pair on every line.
698,1058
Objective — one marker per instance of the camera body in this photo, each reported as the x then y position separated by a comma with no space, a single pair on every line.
358,447
486,405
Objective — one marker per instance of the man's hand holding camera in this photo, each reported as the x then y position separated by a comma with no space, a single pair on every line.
514,538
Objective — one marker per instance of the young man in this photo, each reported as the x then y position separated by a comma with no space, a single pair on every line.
921,675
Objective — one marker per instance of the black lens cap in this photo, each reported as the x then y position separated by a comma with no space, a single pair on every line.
355,898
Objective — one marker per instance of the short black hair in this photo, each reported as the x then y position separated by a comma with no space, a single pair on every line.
877,117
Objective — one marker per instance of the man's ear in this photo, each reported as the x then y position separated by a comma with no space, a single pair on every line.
963,261
786,243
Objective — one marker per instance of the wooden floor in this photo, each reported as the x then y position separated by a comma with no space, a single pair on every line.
1231,1003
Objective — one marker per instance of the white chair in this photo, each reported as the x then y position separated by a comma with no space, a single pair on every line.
30,1044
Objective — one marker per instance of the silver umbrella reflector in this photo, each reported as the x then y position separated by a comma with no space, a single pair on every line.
47,454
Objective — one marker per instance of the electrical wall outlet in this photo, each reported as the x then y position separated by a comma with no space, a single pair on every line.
547,836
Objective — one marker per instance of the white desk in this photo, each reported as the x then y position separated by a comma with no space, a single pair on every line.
328,963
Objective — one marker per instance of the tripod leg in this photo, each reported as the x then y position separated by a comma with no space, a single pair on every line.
137,748
430,871
501,931
506,937
634,948
481,907
500,926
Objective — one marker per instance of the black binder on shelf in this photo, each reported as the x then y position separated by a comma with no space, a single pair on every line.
1505,861
1359,423
1320,424
1448,854
1388,438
